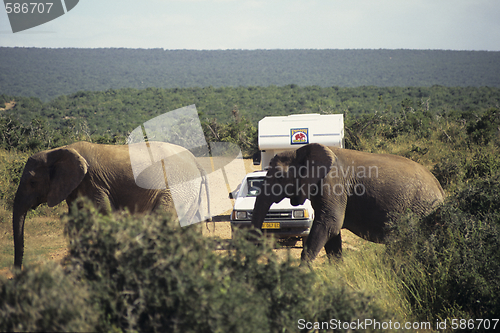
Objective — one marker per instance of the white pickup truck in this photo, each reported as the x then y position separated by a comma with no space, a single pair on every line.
283,220
276,135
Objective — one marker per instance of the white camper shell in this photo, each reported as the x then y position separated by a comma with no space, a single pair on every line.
278,134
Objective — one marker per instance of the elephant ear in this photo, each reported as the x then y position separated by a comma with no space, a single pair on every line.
67,169
317,159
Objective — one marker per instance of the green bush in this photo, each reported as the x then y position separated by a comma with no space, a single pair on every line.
240,132
450,260
11,169
449,170
483,163
45,299
413,121
456,168
147,274
485,129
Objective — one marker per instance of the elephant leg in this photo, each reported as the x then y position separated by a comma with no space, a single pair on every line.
333,247
318,237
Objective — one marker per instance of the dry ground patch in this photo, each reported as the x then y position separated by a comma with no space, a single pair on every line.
43,238
8,106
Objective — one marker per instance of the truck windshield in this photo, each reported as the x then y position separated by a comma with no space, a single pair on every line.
254,186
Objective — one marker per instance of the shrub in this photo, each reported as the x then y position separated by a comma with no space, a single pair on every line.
481,198
411,121
11,169
44,299
485,129
146,274
449,170
458,167
482,164
240,132
450,260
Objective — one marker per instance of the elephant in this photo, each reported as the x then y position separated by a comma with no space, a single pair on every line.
355,190
104,174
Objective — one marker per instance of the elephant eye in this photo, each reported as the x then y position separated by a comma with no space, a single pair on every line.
32,183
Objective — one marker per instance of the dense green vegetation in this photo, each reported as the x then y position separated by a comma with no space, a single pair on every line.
130,273
109,116
125,273
48,73
449,261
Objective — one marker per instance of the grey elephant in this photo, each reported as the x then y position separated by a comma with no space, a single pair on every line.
105,175
348,189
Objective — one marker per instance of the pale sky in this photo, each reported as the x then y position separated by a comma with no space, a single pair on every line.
280,24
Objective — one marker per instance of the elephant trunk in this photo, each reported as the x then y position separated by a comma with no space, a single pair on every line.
18,218
262,205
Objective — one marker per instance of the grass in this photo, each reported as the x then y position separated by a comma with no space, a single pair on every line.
365,270
43,236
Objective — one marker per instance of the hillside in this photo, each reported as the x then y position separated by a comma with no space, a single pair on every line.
48,73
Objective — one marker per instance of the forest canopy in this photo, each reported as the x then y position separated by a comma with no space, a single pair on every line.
120,111
225,112
48,73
